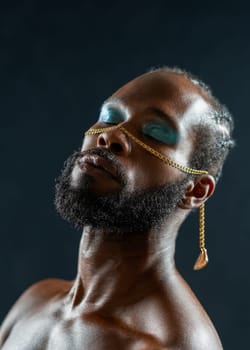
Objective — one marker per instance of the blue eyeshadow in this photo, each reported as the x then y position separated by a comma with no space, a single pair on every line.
160,131
111,115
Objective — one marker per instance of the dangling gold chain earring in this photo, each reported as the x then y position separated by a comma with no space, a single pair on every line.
202,259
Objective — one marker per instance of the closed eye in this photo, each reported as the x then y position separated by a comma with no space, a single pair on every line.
160,131
111,115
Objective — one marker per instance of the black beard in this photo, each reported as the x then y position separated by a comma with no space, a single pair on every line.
123,211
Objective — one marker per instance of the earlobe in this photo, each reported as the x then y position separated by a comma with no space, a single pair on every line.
198,192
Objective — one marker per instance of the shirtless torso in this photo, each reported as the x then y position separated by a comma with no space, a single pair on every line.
41,320
127,294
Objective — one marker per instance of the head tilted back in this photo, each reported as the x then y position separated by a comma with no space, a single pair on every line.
212,142
213,134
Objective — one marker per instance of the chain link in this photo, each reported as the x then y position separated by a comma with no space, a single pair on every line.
170,162
157,154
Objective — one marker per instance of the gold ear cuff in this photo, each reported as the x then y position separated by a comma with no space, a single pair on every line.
202,259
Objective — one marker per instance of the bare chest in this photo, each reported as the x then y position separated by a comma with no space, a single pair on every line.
48,334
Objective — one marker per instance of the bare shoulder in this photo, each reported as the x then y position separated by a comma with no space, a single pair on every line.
183,322
193,337
42,291
196,331
201,338
32,299
38,294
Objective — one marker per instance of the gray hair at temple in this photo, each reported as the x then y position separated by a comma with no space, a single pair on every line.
213,134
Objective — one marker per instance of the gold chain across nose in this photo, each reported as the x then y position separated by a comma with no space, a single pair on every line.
202,259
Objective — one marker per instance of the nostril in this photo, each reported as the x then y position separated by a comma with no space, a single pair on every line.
116,148
116,143
101,141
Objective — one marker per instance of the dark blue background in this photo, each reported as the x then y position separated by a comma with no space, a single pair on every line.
57,64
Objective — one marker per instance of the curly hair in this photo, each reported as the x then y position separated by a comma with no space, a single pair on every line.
213,134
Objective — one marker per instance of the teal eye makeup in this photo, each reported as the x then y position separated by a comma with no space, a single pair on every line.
160,131
111,115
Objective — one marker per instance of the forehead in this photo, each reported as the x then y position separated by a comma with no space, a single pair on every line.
172,93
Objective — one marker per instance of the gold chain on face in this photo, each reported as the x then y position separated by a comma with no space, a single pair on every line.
157,154
202,258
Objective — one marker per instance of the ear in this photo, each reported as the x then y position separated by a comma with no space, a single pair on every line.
198,191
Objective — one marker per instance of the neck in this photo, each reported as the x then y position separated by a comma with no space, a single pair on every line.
115,270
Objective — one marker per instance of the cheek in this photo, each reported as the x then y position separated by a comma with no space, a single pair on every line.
149,171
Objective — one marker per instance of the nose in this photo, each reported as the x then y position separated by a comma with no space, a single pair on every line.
115,141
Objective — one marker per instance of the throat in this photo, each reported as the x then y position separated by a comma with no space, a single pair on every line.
117,271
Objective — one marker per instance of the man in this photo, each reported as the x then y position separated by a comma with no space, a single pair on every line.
155,153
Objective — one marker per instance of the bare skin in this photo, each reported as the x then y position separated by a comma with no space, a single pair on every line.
127,294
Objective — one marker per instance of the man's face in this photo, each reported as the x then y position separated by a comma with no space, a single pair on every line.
115,183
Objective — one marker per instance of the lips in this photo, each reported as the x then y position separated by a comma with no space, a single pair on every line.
99,163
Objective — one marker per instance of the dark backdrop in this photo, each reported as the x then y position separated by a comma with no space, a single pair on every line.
57,64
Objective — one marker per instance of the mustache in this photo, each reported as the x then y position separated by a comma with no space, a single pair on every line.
111,158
